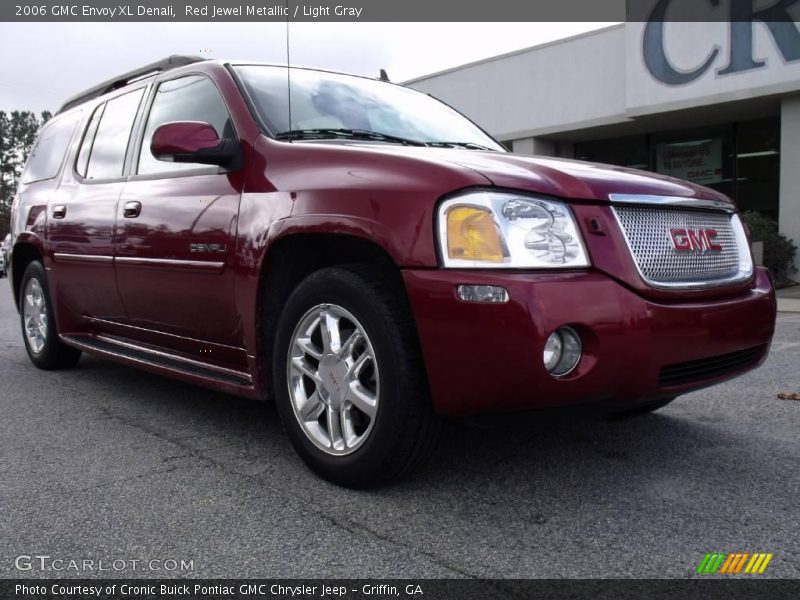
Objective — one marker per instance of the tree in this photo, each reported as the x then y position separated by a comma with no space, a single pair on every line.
18,131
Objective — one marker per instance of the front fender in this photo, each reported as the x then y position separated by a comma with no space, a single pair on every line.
398,248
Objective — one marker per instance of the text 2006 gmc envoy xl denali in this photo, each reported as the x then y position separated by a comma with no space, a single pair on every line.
368,257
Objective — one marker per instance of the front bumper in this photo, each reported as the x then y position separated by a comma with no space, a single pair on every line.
488,357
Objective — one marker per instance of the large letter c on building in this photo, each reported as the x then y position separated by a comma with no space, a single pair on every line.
655,55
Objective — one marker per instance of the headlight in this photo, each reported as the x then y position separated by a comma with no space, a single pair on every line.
501,230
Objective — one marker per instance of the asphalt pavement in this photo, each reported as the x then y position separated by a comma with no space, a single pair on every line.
105,463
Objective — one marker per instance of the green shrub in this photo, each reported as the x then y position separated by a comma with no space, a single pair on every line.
779,250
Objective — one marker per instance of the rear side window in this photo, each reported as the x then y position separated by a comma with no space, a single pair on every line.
88,139
51,148
103,150
192,98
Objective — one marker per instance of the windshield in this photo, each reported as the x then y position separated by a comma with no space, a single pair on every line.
328,105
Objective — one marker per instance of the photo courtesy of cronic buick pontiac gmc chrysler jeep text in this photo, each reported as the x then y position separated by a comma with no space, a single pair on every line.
369,258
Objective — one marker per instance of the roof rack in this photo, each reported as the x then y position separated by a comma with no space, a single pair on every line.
171,62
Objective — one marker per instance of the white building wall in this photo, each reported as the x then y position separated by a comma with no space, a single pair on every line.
688,46
789,221
572,83
534,146
601,78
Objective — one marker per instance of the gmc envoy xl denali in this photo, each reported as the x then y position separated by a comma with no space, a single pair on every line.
369,258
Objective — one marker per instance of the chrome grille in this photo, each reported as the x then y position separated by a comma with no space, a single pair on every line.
647,231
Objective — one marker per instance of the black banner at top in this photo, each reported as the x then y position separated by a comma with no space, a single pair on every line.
398,10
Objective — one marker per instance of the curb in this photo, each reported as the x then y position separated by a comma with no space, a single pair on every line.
789,305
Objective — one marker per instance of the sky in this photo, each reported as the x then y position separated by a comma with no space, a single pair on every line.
70,57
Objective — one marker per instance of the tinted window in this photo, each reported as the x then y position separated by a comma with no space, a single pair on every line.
193,98
48,154
88,140
107,154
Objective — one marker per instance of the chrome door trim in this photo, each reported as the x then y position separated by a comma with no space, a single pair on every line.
88,258
677,201
170,263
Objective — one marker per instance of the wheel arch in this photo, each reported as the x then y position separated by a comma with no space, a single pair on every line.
22,254
293,257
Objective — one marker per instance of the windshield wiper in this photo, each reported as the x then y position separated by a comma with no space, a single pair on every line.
353,134
467,145
365,134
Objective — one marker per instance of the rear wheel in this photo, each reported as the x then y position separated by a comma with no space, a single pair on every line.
350,386
38,324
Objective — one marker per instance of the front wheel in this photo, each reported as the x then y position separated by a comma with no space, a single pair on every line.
38,324
350,386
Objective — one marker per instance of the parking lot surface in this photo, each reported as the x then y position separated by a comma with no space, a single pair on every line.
108,463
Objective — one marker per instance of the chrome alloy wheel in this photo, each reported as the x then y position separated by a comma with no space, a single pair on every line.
34,315
333,379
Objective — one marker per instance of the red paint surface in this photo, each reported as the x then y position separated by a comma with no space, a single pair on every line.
478,357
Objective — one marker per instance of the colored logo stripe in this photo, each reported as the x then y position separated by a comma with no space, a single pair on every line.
718,562
758,564
734,563
711,562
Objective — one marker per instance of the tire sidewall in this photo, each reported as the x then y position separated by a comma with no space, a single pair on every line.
323,287
48,355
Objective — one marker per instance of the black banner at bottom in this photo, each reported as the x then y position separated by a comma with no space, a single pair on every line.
376,589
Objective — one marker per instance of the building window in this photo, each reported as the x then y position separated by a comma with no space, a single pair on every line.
758,165
703,156
741,160
631,151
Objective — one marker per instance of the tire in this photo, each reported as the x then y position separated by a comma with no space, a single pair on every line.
401,433
644,409
45,351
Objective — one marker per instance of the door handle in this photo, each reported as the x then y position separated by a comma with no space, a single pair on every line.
132,209
59,211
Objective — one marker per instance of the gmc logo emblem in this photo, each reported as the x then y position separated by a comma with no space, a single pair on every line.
689,240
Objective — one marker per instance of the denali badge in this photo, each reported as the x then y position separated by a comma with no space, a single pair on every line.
213,248
689,240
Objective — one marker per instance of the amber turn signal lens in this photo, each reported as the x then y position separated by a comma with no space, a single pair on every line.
472,235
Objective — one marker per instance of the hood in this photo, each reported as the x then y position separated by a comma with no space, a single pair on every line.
559,177
577,179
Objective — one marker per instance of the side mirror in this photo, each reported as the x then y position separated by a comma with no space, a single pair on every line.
193,142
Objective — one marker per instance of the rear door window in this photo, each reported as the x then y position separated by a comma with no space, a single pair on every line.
110,143
191,98
88,139
51,148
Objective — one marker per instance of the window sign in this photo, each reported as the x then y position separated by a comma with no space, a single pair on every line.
698,161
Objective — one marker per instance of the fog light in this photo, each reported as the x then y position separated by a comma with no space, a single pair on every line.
482,293
562,351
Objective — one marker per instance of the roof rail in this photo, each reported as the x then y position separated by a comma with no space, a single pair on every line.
171,62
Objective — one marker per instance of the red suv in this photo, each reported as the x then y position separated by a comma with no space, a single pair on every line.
369,258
